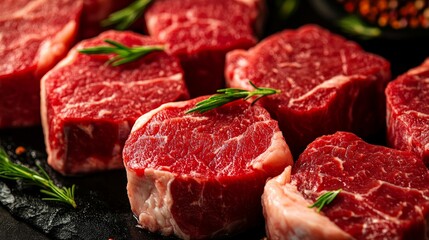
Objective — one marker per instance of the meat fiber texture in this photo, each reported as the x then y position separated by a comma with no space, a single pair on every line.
327,83
408,112
95,11
34,36
89,107
384,194
202,175
201,32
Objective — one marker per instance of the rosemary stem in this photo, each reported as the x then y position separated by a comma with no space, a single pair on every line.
227,95
14,171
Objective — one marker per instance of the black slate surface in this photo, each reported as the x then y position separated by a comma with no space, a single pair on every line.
103,210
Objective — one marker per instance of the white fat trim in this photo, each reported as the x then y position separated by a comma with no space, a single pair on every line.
420,69
103,112
68,60
238,82
151,200
290,64
2,46
145,118
339,161
25,11
237,69
287,214
276,156
334,82
285,177
190,14
44,115
151,23
56,161
417,113
51,49
250,2
344,64
242,62
292,82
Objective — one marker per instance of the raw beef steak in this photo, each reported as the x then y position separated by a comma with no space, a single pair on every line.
202,175
34,36
89,107
201,32
327,83
408,112
287,215
385,193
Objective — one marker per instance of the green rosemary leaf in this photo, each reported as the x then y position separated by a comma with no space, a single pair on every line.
116,44
13,171
353,25
325,199
123,18
123,53
285,8
227,95
97,50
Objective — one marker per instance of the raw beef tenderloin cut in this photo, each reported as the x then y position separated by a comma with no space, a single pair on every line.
202,175
327,83
89,107
408,112
201,32
34,36
385,193
287,215
94,12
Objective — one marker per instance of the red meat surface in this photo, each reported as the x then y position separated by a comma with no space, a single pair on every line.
202,175
408,112
327,83
34,36
384,194
89,107
201,32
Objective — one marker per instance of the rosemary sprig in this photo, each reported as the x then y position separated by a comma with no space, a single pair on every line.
231,94
325,199
124,54
353,25
13,171
123,18
286,8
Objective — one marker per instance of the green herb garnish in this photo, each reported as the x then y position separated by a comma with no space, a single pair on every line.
325,199
13,171
231,94
355,26
285,8
124,54
123,18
